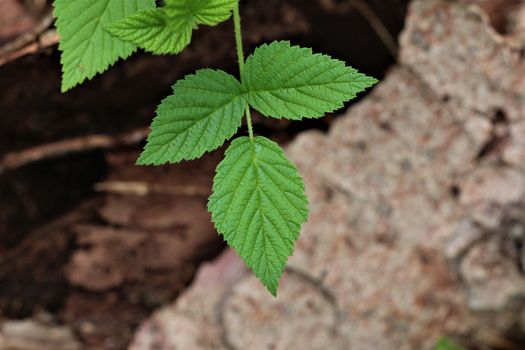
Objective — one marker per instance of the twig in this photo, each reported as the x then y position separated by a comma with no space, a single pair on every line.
36,39
27,38
47,39
140,188
16,160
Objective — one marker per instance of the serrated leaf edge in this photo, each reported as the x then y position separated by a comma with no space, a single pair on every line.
280,271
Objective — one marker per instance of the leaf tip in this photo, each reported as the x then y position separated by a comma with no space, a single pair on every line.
67,85
64,88
271,284
372,81
142,160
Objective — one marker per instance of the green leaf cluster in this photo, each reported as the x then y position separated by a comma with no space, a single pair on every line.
279,80
94,34
258,202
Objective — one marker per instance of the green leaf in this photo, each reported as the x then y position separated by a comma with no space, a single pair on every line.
154,31
447,344
87,49
209,12
205,109
169,29
291,82
258,204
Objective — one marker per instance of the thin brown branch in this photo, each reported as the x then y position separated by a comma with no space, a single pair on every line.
44,41
139,188
39,38
16,160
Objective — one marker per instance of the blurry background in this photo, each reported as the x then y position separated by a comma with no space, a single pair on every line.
417,223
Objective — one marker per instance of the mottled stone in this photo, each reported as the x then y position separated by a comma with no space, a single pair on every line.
412,194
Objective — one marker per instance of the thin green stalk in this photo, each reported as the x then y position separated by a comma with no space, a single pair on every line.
238,36
249,121
240,57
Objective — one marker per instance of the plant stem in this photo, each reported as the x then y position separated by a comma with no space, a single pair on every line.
240,57
238,36
249,121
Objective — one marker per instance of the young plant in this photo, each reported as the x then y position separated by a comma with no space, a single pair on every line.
258,202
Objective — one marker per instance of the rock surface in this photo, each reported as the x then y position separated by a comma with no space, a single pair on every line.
417,218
